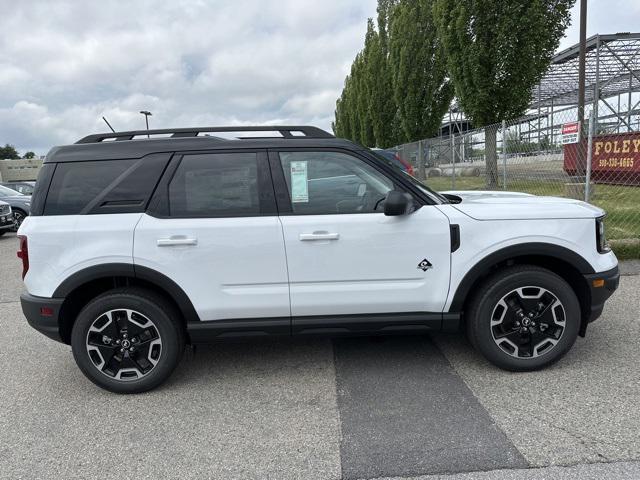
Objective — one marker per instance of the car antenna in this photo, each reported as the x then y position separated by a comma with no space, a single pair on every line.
108,124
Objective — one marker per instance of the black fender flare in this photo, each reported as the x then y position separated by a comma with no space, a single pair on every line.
483,267
128,270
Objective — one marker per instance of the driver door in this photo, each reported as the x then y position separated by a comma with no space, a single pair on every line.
344,256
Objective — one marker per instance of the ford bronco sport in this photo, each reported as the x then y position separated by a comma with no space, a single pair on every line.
140,243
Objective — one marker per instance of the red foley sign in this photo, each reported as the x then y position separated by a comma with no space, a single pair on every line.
615,158
616,152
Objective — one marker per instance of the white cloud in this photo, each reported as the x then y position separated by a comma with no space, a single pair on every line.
612,16
65,64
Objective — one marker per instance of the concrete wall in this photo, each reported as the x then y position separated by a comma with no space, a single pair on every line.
19,169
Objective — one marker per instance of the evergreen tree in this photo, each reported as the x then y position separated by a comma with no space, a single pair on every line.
496,53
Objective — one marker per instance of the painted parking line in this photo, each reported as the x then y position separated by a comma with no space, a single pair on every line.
404,411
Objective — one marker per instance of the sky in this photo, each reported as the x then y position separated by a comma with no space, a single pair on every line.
65,64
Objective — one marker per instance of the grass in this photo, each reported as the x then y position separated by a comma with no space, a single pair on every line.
621,203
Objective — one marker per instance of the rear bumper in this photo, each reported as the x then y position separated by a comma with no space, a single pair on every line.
599,294
42,314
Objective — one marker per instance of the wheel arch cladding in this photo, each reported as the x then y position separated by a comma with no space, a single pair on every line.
564,262
83,286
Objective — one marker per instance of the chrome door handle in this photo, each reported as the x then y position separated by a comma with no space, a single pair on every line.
305,237
176,240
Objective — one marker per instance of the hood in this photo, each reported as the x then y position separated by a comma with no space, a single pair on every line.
491,205
19,201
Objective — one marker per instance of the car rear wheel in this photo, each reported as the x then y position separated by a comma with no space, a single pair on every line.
524,318
127,340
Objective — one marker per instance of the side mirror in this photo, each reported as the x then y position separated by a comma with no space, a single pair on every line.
398,203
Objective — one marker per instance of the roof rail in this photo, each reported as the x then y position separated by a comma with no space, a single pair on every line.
285,131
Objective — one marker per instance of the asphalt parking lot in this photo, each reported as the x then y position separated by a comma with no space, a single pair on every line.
357,408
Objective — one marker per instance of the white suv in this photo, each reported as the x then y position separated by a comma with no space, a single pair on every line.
138,246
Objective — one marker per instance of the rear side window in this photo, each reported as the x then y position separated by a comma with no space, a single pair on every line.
215,185
105,186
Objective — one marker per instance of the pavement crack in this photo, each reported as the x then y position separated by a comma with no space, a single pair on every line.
592,446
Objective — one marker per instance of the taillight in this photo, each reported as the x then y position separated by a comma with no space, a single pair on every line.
23,254
406,164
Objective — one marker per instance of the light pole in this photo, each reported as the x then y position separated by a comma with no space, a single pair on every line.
146,114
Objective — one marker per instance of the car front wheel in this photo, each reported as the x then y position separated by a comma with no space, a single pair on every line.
18,218
127,340
524,318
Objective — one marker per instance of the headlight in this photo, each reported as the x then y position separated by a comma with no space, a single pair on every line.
601,240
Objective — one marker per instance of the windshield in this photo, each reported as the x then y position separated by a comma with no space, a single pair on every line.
421,186
7,192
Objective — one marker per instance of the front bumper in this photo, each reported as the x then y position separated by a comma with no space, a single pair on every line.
601,285
6,222
42,314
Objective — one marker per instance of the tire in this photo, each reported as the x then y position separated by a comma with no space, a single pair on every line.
523,318
138,319
19,217
3,232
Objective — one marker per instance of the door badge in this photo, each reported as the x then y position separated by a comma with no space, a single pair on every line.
425,265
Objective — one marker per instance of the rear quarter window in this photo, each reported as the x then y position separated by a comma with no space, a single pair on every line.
40,190
105,186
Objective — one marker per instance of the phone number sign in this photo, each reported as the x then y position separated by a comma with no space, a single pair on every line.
615,158
616,152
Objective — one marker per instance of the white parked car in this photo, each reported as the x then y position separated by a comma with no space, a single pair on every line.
139,246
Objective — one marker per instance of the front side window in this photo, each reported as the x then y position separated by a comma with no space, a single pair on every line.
215,185
322,183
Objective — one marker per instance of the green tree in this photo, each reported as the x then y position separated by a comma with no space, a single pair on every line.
366,108
340,125
8,151
421,87
383,104
364,82
496,53
29,155
353,102
346,123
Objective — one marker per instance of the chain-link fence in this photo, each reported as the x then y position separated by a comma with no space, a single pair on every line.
598,161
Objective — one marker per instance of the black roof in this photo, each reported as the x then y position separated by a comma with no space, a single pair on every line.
138,143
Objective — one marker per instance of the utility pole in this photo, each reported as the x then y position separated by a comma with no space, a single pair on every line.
146,114
581,80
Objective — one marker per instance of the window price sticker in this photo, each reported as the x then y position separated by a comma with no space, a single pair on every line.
299,177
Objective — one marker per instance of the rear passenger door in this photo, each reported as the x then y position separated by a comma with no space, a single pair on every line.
212,228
